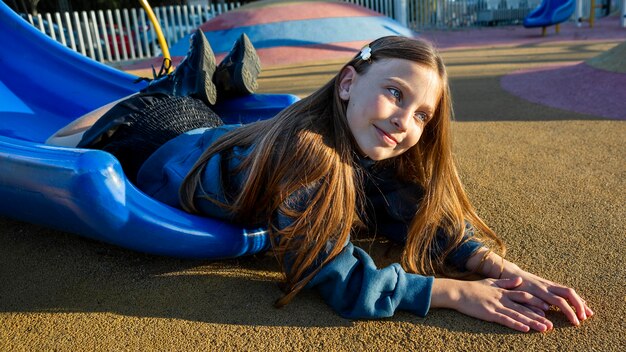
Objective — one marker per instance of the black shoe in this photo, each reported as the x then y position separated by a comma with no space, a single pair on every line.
193,76
237,74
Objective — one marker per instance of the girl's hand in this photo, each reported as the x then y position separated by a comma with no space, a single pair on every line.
569,302
549,293
491,300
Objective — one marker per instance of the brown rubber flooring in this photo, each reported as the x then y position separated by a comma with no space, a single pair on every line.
550,182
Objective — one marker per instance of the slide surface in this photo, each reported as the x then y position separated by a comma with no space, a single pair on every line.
44,86
549,13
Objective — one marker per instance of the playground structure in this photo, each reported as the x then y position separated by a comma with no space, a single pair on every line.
295,24
289,32
44,86
550,12
555,12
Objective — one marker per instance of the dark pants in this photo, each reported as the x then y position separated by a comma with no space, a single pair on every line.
136,127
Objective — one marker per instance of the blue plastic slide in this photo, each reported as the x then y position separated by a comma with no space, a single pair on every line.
44,86
549,13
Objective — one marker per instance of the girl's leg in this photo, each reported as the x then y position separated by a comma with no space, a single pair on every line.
193,76
71,134
237,74
136,127
198,76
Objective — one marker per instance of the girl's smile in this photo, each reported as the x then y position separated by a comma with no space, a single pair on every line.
386,138
389,105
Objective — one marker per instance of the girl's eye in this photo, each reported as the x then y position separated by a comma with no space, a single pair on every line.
421,116
396,93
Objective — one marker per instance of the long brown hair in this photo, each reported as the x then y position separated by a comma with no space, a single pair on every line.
309,146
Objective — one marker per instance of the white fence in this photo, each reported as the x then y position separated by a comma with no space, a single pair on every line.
116,35
467,13
384,7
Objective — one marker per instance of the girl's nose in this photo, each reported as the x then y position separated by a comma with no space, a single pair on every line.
401,121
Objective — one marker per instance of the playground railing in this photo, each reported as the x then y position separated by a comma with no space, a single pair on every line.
123,34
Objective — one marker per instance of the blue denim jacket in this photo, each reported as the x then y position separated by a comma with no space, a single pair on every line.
350,283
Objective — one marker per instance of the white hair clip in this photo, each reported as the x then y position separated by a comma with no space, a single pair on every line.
366,53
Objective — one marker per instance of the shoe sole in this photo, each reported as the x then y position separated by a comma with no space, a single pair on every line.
203,85
249,69
205,79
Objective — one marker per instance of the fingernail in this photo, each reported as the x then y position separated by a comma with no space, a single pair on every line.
584,316
546,307
576,321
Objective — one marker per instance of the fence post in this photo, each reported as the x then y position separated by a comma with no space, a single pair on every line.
400,11
579,13
96,35
70,30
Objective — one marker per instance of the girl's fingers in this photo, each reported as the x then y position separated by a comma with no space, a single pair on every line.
573,298
565,308
527,316
509,322
539,293
589,311
528,299
536,310
523,319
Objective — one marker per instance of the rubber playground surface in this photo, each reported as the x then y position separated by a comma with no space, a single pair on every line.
545,172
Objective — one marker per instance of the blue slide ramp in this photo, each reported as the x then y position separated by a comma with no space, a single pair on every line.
549,13
44,86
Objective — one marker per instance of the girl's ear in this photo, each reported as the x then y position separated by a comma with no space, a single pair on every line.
345,82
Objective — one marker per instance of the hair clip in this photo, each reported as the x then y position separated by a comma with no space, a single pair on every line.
366,53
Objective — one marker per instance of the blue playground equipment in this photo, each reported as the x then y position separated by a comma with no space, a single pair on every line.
550,12
44,86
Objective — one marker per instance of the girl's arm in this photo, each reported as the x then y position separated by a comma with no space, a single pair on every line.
550,293
355,288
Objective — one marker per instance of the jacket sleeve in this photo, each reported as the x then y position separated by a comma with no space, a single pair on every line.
355,288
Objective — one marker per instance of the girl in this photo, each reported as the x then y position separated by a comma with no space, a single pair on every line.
370,150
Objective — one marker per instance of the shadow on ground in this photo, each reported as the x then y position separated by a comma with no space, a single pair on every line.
50,271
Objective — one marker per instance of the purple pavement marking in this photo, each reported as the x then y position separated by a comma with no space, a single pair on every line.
574,87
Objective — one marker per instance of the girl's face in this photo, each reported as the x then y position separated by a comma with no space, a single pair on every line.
389,105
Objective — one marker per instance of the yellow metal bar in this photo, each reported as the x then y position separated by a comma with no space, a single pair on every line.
592,14
159,32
